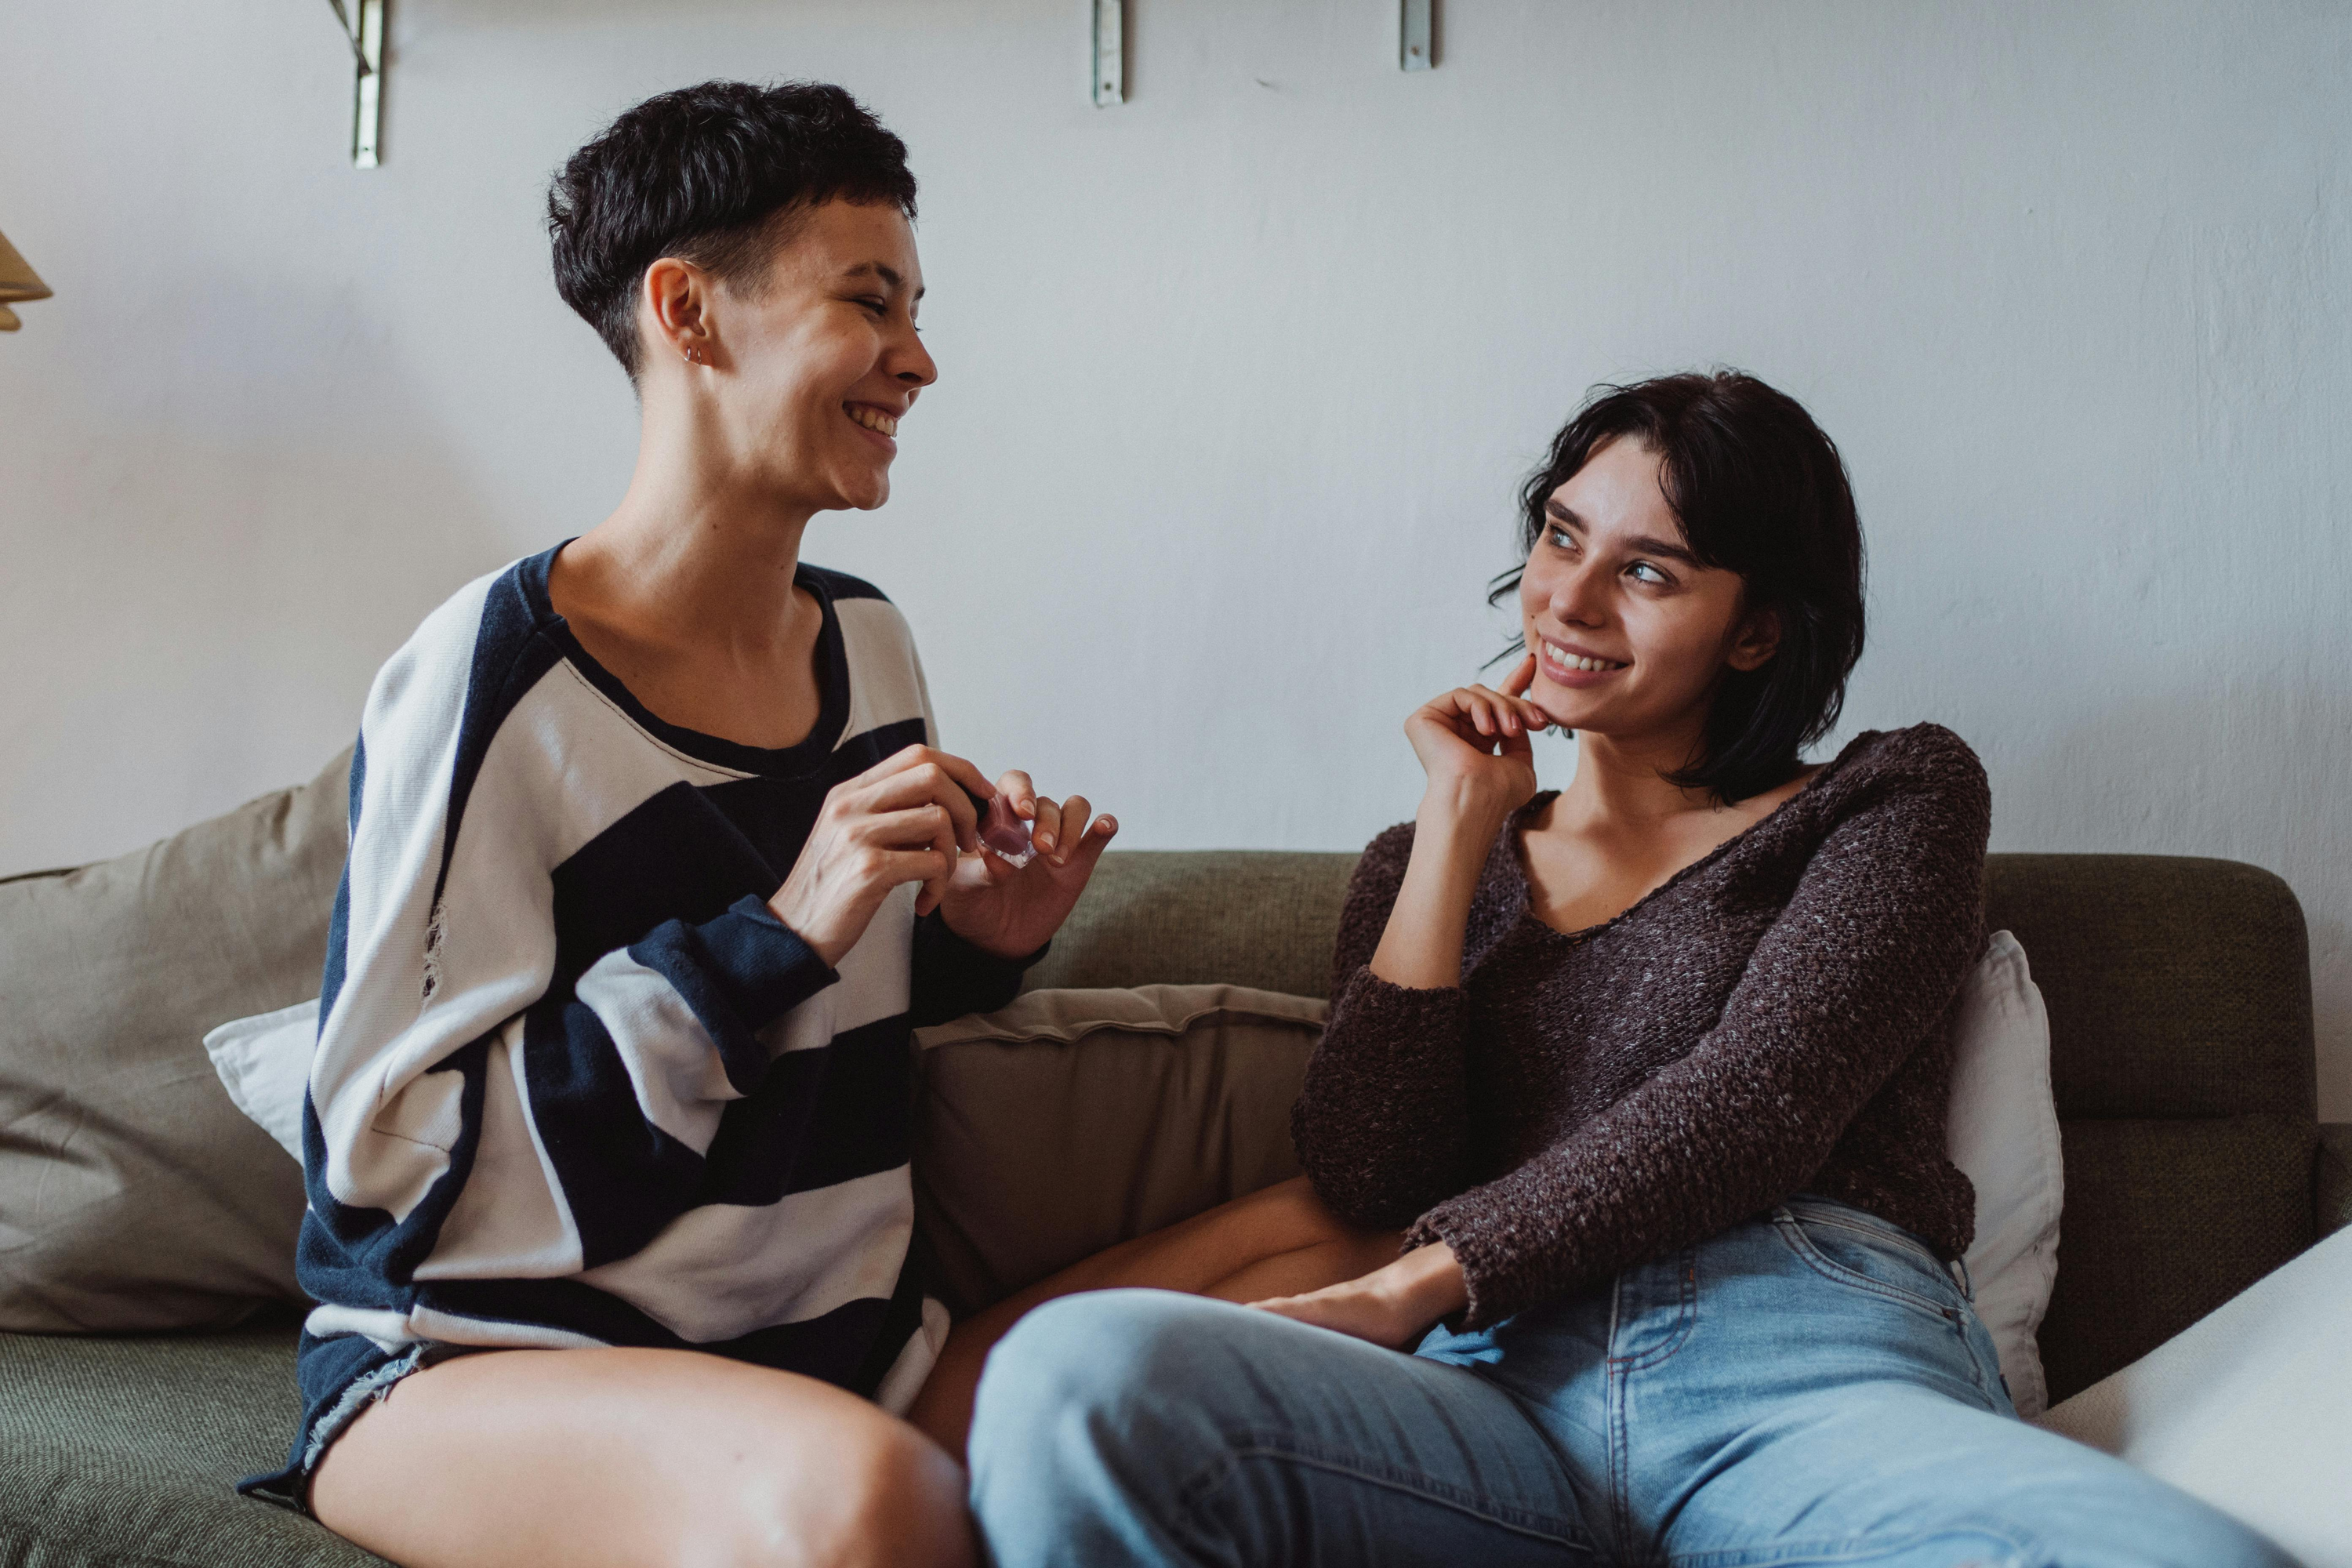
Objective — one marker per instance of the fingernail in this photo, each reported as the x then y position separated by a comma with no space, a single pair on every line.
1044,840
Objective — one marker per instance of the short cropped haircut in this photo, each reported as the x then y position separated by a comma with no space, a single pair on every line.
711,174
1760,490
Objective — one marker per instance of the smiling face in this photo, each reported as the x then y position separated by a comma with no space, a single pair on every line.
819,361
1631,633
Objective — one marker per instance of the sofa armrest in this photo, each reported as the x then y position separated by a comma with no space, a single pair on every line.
2334,1176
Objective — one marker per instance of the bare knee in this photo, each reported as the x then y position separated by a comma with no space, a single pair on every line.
911,1506
885,1495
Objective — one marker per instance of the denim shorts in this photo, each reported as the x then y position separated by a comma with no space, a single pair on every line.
325,1419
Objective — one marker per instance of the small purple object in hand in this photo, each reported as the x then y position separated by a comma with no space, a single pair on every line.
1006,832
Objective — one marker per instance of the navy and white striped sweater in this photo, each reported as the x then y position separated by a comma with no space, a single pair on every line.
574,1084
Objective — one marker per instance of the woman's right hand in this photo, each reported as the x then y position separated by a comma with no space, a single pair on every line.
904,819
1477,746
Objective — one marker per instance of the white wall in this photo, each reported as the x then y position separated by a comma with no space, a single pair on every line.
1239,379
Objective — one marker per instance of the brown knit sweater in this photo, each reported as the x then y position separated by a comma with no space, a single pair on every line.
1776,1018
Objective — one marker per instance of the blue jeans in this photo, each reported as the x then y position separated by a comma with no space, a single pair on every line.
1809,1387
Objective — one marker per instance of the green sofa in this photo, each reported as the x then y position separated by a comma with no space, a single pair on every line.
2179,1004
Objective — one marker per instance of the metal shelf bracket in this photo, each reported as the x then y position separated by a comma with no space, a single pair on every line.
1109,53
362,25
1416,43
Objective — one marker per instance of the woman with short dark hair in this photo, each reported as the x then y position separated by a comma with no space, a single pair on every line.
1653,1071
654,867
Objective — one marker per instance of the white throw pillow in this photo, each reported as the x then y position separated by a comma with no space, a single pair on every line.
2002,1131
264,1062
2244,1407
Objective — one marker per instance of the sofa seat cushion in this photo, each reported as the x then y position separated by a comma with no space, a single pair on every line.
123,1452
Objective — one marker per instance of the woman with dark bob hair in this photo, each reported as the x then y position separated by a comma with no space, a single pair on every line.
1652,1073
654,865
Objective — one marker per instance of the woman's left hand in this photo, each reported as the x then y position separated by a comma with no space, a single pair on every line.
1392,1307
1012,911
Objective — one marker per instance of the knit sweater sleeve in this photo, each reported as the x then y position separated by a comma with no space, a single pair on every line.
1381,1125
1859,969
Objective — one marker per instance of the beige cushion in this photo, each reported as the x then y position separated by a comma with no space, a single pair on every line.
1074,1120
2002,1132
132,1194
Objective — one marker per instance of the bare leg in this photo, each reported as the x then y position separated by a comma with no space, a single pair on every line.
637,1459
1278,1242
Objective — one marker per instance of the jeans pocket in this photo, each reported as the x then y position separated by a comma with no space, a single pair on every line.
1871,1258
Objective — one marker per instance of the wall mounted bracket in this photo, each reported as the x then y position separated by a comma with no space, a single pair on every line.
1416,35
1109,55
362,25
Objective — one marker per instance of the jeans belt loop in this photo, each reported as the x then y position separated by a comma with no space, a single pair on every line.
1959,1266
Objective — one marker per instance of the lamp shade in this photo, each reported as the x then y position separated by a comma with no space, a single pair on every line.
17,281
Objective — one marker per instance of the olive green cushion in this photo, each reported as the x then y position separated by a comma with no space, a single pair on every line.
1076,1119
133,1194
1264,919
123,1451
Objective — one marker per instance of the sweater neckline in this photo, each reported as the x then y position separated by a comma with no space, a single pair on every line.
1513,833
803,757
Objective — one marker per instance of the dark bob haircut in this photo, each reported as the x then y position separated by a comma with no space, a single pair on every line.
702,174
1760,491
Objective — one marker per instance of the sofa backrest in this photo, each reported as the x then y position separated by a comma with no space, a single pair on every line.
2178,992
2180,1052
1265,918
2179,1001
